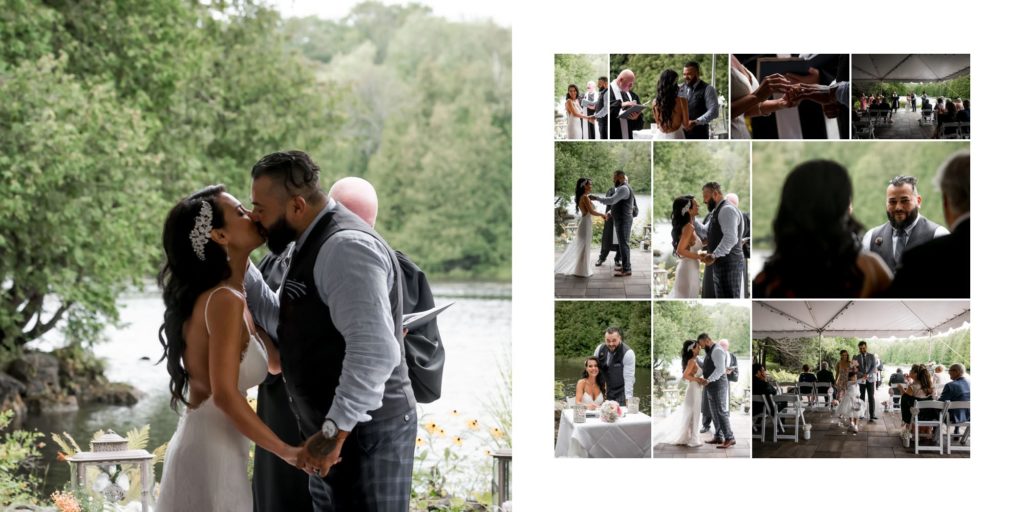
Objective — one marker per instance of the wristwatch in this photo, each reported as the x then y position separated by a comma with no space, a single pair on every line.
329,429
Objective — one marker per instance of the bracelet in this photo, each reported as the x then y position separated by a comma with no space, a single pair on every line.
759,108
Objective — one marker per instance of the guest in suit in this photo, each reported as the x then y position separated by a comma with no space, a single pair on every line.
906,228
825,375
622,97
941,268
817,247
947,115
867,363
759,387
957,390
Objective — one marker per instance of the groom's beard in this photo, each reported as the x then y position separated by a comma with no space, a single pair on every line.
279,235
911,217
711,204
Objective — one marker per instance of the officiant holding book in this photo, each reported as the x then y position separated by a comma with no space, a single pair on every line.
622,99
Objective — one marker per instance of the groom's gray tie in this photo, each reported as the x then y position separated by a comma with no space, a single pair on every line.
901,243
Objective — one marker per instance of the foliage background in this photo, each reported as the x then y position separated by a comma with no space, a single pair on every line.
580,326
577,69
683,168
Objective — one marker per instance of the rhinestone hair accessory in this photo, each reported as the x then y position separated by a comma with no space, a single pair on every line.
201,232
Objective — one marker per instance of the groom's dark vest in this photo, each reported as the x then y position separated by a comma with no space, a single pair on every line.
881,239
709,363
312,350
613,376
623,210
698,106
715,233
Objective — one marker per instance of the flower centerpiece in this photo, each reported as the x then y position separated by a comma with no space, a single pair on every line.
610,411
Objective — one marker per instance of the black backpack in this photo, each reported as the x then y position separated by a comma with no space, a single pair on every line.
424,352
735,375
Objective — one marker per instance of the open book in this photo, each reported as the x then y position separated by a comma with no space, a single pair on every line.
632,110
413,321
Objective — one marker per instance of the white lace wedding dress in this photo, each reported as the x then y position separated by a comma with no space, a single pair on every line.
574,126
587,399
687,284
683,426
205,467
576,258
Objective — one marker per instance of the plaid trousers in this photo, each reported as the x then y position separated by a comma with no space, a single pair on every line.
718,396
729,273
375,472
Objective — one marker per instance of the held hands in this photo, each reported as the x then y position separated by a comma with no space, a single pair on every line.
773,83
689,126
318,453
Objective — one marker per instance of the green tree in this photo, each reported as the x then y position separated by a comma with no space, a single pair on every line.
598,162
648,69
681,169
677,321
580,326
577,69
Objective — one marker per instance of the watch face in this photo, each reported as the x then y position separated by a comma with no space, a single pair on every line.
329,430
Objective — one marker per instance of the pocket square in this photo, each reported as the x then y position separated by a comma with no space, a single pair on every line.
294,290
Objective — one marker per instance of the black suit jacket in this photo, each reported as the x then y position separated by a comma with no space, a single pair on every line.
615,106
940,268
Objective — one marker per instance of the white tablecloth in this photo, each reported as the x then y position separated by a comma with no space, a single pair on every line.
629,436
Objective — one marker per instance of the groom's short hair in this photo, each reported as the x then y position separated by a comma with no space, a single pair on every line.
703,336
692,64
602,79
899,181
614,330
619,172
713,185
293,170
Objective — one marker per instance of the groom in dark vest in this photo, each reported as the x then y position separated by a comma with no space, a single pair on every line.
617,363
716,362
339,324
906,228
622,203
725,248
702,99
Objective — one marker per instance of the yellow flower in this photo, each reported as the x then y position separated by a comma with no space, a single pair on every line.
65,502
455,412
497,433
431,428
457,441
487,453
473,424
441,432
420,441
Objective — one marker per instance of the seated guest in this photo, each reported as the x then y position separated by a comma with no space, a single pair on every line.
761,386
956,390
947,115
807,376
825,375
921,389
817,240
897,378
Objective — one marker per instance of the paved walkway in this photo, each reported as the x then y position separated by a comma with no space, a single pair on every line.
603,284
830,440
905,125
740,423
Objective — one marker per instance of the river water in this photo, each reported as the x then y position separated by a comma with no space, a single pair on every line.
476,331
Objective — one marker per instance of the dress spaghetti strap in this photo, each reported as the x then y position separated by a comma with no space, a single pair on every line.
206,310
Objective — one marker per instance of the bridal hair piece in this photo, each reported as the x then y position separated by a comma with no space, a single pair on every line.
685,206
201,232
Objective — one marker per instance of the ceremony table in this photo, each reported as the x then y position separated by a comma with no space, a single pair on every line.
627,437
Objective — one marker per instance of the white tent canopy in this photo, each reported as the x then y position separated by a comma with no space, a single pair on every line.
910,67
857,319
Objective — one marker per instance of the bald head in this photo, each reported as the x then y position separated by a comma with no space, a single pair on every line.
625,80
724,343
358,195
733,199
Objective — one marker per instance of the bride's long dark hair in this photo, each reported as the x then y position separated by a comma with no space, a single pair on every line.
680,217
668,89
580,184
688,352
184,277
600,376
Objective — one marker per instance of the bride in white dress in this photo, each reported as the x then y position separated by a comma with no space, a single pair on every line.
574,114
576,258
683,426
686,244
590,388
213,356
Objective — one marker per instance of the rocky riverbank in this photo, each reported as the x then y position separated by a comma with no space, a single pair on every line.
41,382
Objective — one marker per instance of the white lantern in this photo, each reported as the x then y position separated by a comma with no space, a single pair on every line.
110,470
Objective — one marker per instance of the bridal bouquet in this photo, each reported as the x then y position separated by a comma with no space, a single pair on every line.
610,411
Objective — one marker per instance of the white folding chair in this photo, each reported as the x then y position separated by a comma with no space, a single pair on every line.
950,131
793,411
823,390
963,428
926,117
965,129
806,390
765,416
918,423
895,396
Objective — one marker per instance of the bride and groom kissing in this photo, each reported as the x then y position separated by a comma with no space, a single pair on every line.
717,242
710,376
338,345
622,202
